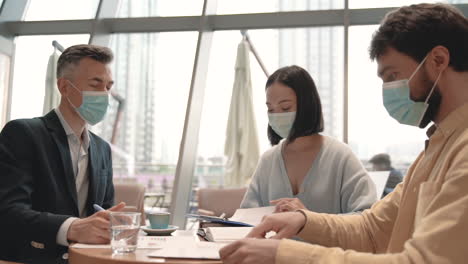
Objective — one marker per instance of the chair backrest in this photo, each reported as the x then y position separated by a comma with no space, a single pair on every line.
220,201
133,194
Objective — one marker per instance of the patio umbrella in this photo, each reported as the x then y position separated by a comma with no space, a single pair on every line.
241,146
52,94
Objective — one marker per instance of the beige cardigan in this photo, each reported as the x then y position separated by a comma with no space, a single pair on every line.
425,220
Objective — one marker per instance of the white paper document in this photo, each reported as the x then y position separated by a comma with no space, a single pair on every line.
226,234
81,245
196,250
229,234
145,242
252,216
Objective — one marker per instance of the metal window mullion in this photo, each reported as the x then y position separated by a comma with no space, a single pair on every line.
100,32
188,148
278,20
346,20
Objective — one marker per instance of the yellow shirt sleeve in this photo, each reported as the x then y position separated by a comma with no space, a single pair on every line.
439,235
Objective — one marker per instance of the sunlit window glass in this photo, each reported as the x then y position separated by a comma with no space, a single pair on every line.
29,80
147,8
61,9
318,50
396,3
371,129
266,6
152,73
4,77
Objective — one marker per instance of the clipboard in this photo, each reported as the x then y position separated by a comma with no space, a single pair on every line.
218,220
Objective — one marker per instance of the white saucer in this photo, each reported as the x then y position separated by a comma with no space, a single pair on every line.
159,232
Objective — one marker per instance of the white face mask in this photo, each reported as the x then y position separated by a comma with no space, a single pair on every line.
282,123
396,99
93,107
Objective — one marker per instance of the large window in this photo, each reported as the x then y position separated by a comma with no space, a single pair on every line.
146,8
371,129
318,50
392,3
264,6
32,56
152,73
4,81
153,70
61,9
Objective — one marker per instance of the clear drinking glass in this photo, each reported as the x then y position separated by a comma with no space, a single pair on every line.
125,227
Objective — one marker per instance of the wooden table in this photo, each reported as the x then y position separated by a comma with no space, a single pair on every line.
104,256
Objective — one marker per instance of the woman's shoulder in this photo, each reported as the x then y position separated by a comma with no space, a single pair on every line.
272,152
268,163
335,147
339,155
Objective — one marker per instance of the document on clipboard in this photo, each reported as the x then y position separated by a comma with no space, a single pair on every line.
246,217
219,220
228,234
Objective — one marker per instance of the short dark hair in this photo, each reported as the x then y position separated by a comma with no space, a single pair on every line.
381,158
416,29
309,116
72,56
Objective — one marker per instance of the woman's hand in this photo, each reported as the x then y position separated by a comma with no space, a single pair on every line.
287,205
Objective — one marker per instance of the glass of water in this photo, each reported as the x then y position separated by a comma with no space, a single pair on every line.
125,227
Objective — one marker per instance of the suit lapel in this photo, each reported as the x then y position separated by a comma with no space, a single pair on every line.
58,134
93,171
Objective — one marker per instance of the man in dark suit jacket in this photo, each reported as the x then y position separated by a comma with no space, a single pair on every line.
52,169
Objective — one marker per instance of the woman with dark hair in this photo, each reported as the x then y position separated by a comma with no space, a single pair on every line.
306,169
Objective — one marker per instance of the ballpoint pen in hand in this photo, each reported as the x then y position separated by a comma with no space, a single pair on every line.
98,208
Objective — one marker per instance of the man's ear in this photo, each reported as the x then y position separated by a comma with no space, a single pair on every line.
62,85
438,60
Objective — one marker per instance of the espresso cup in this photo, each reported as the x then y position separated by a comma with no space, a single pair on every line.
158,220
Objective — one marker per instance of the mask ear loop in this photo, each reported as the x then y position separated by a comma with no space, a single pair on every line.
433,88
74,107
80,139
417,68
429,96
74,87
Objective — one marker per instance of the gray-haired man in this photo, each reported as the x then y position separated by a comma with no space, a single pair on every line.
52,169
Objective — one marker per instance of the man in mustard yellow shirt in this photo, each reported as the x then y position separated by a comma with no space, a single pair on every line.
422,56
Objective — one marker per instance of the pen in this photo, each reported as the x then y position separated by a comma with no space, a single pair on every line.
98,208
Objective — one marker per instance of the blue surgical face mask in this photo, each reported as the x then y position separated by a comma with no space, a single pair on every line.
93,107
282,123
396,99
